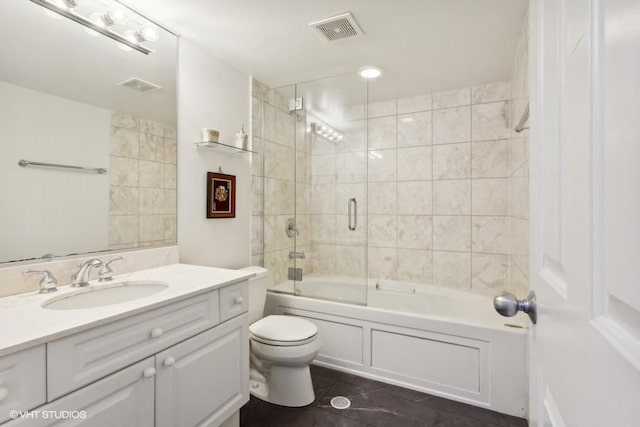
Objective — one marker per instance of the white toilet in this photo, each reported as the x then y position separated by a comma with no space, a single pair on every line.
282,347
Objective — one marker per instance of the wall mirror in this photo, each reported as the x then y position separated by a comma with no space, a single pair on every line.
99,96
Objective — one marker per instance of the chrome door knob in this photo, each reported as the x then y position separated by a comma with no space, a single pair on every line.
506,304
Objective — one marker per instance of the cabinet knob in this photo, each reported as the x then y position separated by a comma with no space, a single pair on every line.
238,300
149,372
3,393
156,332
169,361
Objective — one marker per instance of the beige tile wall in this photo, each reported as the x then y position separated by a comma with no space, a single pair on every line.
142,204
274,172
437,188
519,171
433,185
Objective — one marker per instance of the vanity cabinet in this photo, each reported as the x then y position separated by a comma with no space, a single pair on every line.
22,381
176,365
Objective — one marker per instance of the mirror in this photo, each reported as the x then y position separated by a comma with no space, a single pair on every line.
72,96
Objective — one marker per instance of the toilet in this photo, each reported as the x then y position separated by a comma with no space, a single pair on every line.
282,348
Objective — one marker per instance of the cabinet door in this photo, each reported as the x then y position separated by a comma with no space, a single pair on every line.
22,381
125,398
205,379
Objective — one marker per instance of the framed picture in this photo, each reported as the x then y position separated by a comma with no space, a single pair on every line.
221,195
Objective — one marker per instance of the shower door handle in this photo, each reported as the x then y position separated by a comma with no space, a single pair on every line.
353,214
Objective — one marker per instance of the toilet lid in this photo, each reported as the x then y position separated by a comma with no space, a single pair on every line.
283,329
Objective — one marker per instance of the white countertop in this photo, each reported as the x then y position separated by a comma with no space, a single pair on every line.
25,323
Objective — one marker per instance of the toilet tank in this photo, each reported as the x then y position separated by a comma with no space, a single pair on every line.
258,286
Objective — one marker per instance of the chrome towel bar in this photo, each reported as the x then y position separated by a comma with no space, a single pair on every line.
24,163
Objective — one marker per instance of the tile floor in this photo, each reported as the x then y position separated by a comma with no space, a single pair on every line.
372,404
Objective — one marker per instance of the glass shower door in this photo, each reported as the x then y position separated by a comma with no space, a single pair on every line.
331,190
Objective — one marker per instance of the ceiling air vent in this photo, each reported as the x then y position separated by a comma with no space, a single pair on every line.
139,85
338,27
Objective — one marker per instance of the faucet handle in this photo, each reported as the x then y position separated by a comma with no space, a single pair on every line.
47,284
106,273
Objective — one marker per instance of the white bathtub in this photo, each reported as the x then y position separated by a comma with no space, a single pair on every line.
441,341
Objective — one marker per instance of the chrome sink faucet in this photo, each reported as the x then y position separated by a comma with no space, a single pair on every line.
81,278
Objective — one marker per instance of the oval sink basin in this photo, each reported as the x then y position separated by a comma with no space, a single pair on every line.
108,295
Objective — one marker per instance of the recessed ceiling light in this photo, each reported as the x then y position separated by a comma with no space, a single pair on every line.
370,72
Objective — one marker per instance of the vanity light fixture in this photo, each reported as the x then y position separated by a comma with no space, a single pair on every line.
326,132
102,23
370,72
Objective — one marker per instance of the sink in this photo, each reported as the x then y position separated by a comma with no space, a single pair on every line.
108,295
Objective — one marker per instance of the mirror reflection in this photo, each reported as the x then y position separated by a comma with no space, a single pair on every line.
71,96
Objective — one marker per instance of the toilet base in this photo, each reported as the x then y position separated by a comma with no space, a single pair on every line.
284,385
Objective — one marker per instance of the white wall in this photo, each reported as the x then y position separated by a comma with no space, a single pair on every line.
51,210
214,95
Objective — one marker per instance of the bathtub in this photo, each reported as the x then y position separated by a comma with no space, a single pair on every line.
436,340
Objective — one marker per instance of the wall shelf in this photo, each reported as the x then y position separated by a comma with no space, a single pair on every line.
223,147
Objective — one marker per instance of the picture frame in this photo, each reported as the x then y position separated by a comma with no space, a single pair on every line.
221,195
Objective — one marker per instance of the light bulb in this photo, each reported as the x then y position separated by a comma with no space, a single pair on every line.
114,16
370,72
148,33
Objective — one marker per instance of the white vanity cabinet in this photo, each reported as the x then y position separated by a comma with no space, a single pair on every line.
178,365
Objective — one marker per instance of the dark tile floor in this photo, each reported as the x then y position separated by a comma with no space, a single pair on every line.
372,404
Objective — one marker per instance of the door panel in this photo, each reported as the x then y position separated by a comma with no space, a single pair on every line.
585,81
332,193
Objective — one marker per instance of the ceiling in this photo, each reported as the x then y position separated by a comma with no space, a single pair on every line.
423,45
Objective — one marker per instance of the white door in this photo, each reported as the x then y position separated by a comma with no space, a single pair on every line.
585,212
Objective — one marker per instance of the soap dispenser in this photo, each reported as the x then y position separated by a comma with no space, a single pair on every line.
242,139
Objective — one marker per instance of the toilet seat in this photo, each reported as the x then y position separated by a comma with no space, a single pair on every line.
283,331
281,343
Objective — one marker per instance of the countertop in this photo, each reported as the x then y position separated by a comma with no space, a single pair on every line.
25,323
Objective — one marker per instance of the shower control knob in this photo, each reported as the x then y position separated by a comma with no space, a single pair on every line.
506,304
